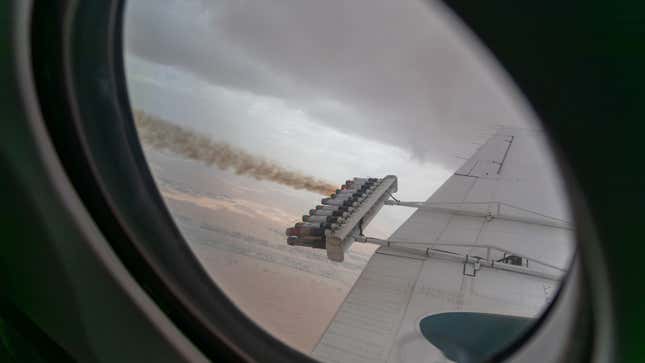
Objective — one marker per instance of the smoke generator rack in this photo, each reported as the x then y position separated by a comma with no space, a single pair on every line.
343,216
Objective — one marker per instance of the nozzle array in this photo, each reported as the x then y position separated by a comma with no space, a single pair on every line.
331,214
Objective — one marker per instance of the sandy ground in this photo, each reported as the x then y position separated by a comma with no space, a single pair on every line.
292,293
294,307
235,226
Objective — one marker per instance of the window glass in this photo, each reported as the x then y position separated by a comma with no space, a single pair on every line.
250,113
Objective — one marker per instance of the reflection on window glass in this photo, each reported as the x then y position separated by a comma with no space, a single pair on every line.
445,209
472,337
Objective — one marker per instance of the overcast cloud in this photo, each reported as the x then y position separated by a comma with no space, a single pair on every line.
399,73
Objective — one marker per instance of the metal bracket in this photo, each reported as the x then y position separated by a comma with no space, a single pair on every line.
476,265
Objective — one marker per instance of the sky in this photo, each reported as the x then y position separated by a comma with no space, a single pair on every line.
334,89
402,73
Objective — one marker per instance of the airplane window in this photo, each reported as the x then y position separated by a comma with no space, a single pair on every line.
360,178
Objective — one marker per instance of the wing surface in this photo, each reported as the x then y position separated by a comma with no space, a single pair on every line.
507,195
450,255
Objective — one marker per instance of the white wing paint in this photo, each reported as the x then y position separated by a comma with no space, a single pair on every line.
506,198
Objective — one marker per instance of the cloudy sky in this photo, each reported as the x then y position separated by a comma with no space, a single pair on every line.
332,88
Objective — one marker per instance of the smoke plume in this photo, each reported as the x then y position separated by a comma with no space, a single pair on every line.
163,135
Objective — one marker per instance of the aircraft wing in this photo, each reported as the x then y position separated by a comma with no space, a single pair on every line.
494,238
